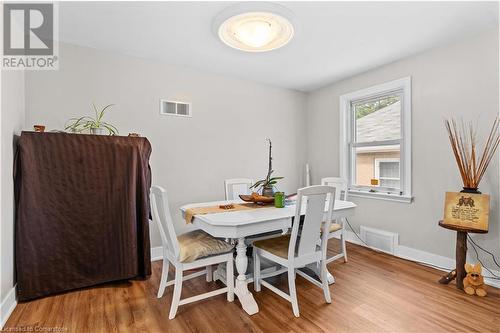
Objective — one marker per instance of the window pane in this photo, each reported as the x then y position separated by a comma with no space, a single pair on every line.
377,166
389,169
389,183
378,120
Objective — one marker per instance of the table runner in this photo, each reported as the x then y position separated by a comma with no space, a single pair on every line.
191,212
82,211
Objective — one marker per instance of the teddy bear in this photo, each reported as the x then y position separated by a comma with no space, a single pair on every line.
474,281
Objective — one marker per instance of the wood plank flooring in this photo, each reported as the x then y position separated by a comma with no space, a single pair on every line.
374,292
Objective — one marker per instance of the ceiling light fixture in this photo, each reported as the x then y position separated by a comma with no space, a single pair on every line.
254,30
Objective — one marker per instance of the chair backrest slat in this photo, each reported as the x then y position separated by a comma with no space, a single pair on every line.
161,215
314,199
235,187
340,185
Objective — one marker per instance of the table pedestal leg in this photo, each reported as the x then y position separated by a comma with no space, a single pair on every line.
241,290
461,255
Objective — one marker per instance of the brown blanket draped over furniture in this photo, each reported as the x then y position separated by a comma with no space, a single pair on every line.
82,211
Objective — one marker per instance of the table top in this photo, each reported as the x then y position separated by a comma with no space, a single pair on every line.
235,218
462,229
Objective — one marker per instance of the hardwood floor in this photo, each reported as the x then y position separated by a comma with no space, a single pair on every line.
374,292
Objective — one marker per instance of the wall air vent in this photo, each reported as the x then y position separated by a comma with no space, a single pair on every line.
175,108
379,239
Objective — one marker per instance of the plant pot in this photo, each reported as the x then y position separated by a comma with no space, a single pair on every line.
470,190
98,131
39,128
268,192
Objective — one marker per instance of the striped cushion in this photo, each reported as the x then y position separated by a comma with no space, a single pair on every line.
277,246
198,244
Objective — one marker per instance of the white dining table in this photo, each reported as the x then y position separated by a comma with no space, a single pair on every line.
239,225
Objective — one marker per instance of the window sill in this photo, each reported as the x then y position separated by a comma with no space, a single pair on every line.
380,196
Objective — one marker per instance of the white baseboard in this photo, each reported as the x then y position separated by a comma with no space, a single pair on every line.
7,306
424,257
156,253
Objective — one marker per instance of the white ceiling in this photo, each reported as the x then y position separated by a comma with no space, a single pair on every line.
334,40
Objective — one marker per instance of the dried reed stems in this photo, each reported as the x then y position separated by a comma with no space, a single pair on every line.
464,145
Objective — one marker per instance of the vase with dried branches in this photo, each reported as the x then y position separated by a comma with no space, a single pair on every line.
472,163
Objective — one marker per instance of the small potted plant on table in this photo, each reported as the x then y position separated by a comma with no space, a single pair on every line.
267,184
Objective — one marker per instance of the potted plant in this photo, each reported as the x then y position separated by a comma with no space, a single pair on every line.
267,184
94,125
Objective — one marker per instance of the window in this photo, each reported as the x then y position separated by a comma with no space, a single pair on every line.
387,172
375,146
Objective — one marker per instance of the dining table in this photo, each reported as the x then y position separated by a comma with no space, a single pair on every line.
242,224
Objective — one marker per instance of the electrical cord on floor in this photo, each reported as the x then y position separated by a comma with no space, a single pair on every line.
415,261
494,276
352,229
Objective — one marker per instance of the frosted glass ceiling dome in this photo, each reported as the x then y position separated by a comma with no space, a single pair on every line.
251,30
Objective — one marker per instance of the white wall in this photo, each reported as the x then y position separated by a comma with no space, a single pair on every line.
11,121
191,157
458,80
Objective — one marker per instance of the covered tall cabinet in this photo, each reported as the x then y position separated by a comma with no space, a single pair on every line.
82,211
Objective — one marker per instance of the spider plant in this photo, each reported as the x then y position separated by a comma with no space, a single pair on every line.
267,184
92,124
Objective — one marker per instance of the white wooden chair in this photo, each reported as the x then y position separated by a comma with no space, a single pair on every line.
235,187
188,251
337,228
294,251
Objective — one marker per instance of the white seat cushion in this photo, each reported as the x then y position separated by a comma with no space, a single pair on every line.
198,244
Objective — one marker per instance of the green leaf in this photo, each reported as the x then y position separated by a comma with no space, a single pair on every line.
276,178
95,109
115,130
258,183
110,129
101,114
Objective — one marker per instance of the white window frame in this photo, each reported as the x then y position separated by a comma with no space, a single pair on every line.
346,127
385,159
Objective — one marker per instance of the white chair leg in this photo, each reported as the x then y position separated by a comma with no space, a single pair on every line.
256,271
163,278
209,273
230,280
324,281
177,293
293,292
